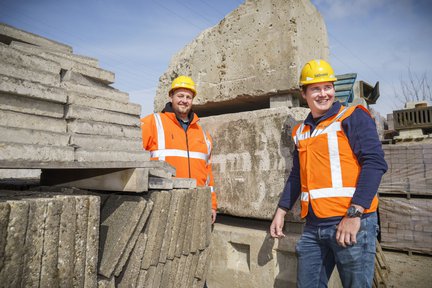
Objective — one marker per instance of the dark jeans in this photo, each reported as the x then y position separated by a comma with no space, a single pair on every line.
318,253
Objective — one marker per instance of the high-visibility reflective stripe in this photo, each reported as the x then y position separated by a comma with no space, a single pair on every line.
304,196
160,134
332,192
178,153
208,143
211,188
335,164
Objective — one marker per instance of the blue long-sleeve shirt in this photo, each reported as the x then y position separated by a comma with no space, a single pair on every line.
361,132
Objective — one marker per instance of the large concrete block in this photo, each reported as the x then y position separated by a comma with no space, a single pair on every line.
31,106
21,120
66,62
244,255
29,74
32,89
87,113
252,158
30,136
257,49
9,33
88,127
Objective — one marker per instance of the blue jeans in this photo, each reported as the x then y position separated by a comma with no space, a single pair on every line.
318,253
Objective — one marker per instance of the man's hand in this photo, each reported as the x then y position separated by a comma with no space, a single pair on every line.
346,233
278,223
213,216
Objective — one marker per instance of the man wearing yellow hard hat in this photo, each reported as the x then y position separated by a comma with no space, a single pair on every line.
337,168
175,136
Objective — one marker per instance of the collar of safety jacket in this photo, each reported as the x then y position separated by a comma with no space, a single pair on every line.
168,111
330,113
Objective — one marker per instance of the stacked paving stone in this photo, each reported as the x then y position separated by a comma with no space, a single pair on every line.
167,247
48,240
58,107
406,197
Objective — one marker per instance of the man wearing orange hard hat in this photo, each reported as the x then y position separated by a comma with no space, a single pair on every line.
337,167
175,136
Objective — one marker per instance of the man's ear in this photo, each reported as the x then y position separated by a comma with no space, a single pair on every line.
303,94
170,96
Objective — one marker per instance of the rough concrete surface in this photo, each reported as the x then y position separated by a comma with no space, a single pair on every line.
252,158
257,49
16,34
17,86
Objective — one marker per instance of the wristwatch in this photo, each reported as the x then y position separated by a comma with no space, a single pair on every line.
354,212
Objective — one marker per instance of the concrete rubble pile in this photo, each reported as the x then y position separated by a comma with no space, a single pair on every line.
246,99
124,221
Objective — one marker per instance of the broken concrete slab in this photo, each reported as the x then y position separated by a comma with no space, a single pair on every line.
119,218
28,152
31,136
187,242
253,156
103,103
157,279
31,106
160,173
87,113
32,89
97,142
66,63
21,120
9,33
88,127
242,67
165,199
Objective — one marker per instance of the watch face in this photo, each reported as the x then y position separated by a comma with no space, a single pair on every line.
353,212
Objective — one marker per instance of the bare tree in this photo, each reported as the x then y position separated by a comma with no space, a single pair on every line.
414,88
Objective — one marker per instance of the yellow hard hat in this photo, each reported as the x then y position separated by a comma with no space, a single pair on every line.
316,71
183,82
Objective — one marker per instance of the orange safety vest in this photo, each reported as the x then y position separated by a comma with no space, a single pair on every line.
188,151
328,167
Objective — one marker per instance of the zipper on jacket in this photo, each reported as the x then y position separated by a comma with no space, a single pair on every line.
187,149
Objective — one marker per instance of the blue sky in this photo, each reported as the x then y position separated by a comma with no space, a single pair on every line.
378,39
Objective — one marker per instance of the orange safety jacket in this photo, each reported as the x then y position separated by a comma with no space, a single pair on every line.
188,151
328,167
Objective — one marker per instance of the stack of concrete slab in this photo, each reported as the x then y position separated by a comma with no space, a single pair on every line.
406,197
48,241
58,107
159,240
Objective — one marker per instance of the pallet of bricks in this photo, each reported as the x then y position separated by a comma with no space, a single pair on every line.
101,214
406,198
